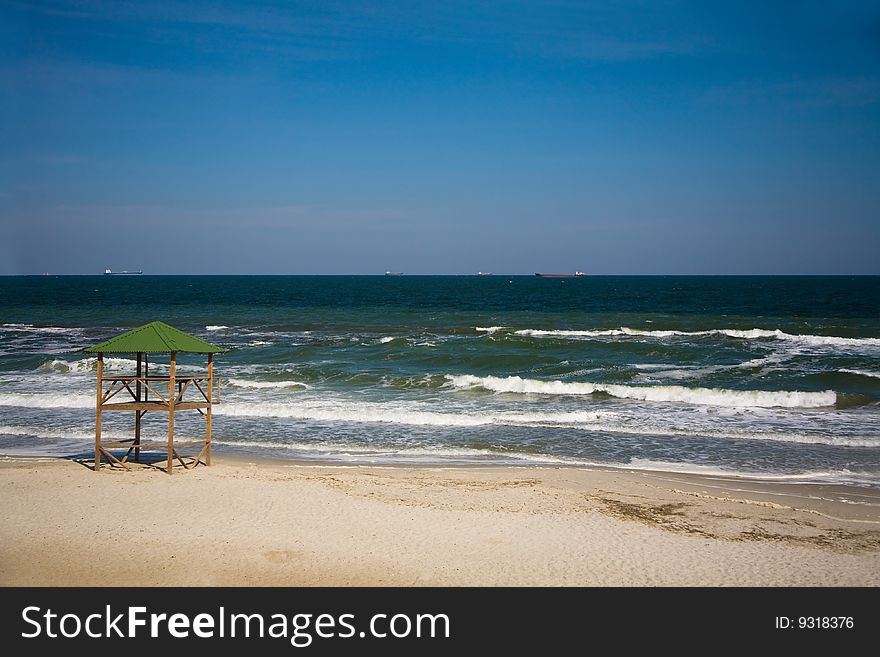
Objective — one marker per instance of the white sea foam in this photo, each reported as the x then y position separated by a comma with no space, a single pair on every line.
696,371
832,476
244,383
55,434
259,343
386,339
747,334
87,365
30,328
681,373
488,329
872,375
60,365
46,400
758,362
128,365
541,333
833,341
216,327
412,415
706,432
708,396
744,334
357,452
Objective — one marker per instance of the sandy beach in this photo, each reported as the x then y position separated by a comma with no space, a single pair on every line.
280,523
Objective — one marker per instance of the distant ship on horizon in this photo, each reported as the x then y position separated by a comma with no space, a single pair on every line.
124,272
394,273
484,273
577,274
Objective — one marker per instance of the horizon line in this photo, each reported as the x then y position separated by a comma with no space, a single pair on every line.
405,275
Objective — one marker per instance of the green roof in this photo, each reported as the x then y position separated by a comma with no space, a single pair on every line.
155,338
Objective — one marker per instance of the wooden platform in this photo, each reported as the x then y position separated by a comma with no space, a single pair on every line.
154,406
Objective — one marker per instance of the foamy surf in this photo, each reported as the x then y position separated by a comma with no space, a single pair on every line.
743,334
367,412
358,453
707,396
30,328
46,400
244,383
696,371
70,434
622,427
588,422
128,365
824,476
87,365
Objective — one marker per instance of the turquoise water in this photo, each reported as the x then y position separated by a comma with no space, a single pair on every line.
776,377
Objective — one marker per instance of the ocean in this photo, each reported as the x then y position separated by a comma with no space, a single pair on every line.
770,377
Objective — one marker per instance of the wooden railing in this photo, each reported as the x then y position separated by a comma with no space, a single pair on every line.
182,383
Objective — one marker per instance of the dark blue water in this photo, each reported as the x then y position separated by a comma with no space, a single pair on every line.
769,376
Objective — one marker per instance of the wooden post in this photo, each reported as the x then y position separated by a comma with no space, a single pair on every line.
172,395
137,413
98,411
208,411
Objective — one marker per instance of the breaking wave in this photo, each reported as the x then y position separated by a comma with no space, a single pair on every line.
744,334
30,328
128,365
707,396
871,375
46,400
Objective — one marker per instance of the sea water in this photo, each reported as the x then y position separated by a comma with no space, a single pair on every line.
774,377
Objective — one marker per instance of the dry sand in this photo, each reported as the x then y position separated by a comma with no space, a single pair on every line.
275,523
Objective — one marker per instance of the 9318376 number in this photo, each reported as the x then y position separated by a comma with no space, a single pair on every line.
825,622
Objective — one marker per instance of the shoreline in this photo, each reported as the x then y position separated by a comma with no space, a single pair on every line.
238,454
251,522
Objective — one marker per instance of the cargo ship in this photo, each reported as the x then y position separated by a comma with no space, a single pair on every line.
394,273
577,274
125,272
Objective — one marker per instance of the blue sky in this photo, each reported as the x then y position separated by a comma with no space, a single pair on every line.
449,137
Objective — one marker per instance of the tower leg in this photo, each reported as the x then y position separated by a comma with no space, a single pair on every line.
98,411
